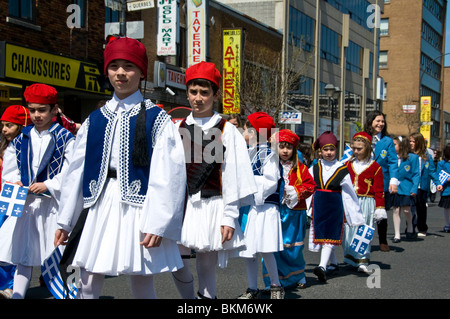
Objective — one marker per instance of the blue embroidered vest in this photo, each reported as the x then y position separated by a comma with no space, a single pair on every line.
133,180
52,159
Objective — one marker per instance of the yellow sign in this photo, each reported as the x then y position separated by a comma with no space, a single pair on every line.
231,71
37,66
425,117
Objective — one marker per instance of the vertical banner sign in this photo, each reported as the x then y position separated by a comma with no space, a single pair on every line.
167,27
232,48
196,42
425,118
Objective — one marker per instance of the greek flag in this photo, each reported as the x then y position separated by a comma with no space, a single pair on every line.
362,239
12,199
348,152
443,177
52,276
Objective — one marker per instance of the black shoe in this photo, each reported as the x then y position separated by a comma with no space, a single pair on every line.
320,273
396,240
412,235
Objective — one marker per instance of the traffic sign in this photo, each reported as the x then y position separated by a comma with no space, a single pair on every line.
140,5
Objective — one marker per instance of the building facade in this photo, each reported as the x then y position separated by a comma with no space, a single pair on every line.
61,43
339,40
412,66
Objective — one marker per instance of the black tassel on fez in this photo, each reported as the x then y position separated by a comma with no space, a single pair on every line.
140,148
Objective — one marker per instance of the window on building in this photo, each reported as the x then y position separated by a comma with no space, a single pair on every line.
430,66
301,30
329,45
22,9
111,15
384,26
354,52
356,9
431,36
435,8
383,59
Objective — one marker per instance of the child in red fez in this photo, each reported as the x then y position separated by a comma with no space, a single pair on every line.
124,193
217,185
13,120
37,159
367,178
261,220
334,197
297,185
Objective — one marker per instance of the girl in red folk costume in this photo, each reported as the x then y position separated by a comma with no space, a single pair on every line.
297,185
367,179
334,199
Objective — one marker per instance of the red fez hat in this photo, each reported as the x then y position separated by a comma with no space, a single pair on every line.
327,138
203,70
262,122
17,114
363,135
288,136
41,94
126,49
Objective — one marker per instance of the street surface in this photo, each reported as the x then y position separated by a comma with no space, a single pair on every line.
415,269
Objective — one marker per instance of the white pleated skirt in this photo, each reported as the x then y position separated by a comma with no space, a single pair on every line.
29,239
263,232
110,241
201,230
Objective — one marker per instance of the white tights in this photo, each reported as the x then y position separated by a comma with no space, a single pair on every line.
271,266
206,271
447,216
396,219
142,287
22,279
327,254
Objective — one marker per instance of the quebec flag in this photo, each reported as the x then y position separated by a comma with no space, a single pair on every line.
52,276
348,152
12,199
362,239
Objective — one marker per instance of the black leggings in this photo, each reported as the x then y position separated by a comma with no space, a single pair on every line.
383,224
420,218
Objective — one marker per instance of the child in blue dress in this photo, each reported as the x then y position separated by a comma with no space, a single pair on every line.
408,177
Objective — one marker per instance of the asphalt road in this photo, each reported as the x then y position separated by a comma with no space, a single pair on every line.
415,269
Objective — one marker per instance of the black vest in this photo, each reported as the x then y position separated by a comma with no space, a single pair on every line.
203,174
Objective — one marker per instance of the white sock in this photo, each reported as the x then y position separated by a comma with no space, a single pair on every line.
396,220
206,271
408,217
272,269
252,273
22,279
142,287
333,259
183,279
91,285
325,254
447,216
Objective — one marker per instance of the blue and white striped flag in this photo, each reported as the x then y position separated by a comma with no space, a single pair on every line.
52,277
12,199
348,152
443,177
362,239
